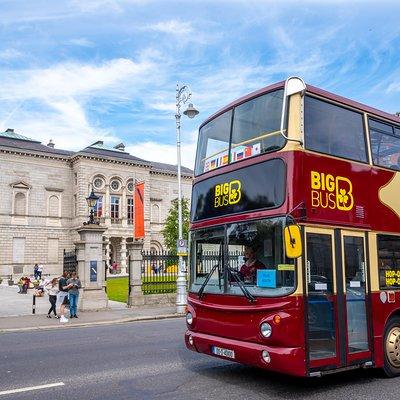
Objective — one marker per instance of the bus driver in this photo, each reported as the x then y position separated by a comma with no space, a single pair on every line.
248,270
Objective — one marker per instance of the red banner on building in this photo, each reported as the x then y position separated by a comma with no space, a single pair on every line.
139,210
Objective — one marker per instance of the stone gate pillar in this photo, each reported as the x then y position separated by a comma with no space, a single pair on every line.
91,267
136,297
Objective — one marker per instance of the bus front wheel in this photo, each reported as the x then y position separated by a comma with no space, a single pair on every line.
392,347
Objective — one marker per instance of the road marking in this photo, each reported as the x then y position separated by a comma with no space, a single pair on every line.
28,389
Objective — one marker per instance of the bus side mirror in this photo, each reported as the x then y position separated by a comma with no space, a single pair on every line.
293,245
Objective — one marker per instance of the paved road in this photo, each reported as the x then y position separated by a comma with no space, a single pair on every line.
148,360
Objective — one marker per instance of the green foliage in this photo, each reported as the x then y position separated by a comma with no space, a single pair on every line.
170,231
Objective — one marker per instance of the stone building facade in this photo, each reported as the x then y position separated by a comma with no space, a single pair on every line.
43,194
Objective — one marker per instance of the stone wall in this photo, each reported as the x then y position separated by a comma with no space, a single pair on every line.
36,180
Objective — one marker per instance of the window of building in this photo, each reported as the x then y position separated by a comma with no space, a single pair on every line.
155,213
385,144
98,183
130,186
115,185
115,203
389,261
20,204
130,210
54,206
98,208
75,205
19,250
334,130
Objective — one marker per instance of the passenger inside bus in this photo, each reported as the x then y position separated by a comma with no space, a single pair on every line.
248,270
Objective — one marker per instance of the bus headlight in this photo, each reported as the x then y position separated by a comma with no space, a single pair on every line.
266,329
189,318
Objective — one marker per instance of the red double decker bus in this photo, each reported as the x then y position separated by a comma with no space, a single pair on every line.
295,234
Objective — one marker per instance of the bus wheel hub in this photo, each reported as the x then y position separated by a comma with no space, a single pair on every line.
393,347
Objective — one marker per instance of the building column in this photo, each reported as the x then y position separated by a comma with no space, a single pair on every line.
91,268
123,256
107,244
107,206
136,297
124,207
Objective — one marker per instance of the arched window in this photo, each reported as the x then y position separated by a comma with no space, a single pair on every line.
54,205
20,204
155,213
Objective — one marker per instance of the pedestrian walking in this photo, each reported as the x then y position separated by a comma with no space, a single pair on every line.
52,290
114,267
62,296
74,284
39,271
35,271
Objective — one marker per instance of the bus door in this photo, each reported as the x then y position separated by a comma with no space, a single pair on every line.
336,277
321,299
355,279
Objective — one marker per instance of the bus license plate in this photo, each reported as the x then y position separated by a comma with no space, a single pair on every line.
219,351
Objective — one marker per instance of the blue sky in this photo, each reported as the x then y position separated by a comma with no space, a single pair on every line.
84,70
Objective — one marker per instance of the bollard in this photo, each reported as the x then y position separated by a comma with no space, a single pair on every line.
34,304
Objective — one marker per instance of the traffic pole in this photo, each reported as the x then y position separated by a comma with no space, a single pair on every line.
34,304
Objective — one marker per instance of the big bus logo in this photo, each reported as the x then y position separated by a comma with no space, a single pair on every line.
227,193
328,191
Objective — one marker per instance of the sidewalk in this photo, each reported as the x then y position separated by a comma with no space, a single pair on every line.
23,320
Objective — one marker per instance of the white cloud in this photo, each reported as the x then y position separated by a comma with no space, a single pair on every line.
173,27
83,42
61,93
166,153
10,54
71,79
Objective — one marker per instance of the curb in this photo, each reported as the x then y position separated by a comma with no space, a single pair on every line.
96,323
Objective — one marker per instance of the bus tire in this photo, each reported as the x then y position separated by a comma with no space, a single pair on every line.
391,347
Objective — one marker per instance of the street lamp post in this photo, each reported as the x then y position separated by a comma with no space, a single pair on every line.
91,202
183,94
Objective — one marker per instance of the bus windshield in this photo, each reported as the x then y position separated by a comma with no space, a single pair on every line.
250,129
252,251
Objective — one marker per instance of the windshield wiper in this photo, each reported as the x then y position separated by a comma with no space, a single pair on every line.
243,288
209,275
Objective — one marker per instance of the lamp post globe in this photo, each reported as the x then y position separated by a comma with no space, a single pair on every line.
183,94
191,111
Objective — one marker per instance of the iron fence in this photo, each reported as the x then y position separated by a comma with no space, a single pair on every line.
159,272
206,260
70,262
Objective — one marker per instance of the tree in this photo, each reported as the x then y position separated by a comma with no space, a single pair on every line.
170,231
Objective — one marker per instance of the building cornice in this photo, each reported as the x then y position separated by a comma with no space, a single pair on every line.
174,174
77,157
35,154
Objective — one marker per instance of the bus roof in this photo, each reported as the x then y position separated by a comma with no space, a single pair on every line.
313,90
